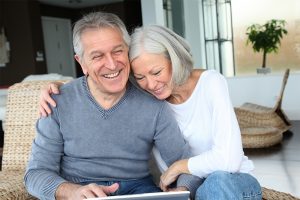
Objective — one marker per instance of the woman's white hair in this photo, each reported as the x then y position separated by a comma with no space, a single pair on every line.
97,20
157,39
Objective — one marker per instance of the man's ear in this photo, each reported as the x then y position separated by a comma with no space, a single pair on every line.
83,67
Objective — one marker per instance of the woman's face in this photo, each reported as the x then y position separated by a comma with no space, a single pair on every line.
153,73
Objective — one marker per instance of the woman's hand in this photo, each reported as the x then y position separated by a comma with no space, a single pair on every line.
172,173
177,189
45,98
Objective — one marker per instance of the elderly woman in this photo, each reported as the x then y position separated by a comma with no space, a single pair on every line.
162,65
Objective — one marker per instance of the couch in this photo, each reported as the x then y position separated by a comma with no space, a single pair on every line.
19,132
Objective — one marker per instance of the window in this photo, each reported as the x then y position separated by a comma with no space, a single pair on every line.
248,12
218,35
207,26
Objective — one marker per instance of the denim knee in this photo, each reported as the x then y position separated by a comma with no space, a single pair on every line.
225,185
219,176
253,191
213,186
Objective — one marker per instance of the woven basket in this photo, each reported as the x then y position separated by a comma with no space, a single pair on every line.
253,115
260,137
269,194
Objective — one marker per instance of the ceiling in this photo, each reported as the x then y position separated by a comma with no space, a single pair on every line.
77,3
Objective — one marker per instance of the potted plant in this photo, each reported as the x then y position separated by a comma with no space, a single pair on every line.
266,38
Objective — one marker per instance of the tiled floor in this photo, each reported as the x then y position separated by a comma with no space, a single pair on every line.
278,167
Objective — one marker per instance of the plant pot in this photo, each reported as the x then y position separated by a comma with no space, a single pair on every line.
265,70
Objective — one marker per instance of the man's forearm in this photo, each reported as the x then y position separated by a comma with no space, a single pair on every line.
42,184
65,190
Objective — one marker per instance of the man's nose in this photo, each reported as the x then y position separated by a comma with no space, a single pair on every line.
110,62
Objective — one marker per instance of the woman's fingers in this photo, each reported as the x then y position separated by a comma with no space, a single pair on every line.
54,87
45,98
163,186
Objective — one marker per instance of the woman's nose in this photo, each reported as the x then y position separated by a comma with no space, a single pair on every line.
151,83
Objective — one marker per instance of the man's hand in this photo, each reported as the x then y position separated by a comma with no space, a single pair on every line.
172,173
70,191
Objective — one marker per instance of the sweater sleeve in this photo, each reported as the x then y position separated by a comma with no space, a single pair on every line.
171,147
41,176
226,152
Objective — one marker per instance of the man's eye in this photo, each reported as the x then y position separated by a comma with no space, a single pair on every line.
96,57
157,73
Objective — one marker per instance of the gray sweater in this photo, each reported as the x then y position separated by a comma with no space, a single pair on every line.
82,142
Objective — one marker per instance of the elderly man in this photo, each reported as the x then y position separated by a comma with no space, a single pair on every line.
98,139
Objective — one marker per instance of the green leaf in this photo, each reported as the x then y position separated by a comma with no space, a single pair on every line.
266,37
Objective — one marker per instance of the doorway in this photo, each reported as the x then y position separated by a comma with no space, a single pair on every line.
58,46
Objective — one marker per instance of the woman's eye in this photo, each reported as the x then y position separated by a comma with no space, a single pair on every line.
138,78
118,52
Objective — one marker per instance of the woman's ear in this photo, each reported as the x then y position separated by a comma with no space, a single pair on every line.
83,67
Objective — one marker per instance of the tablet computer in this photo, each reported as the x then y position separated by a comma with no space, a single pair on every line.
180,195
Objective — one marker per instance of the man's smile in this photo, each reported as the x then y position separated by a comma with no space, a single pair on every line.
112,75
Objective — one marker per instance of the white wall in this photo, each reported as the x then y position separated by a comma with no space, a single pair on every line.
194,34
264,89
152,12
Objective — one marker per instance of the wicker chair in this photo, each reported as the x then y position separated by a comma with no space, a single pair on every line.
19,128
19,131
263,126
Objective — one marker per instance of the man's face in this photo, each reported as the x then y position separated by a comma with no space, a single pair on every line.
105,59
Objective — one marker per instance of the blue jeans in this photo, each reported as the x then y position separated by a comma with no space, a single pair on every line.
233,186
138,186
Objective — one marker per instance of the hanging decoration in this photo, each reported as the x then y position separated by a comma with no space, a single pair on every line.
4,48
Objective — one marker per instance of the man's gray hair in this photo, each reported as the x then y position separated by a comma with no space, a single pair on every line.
97,20
157,39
